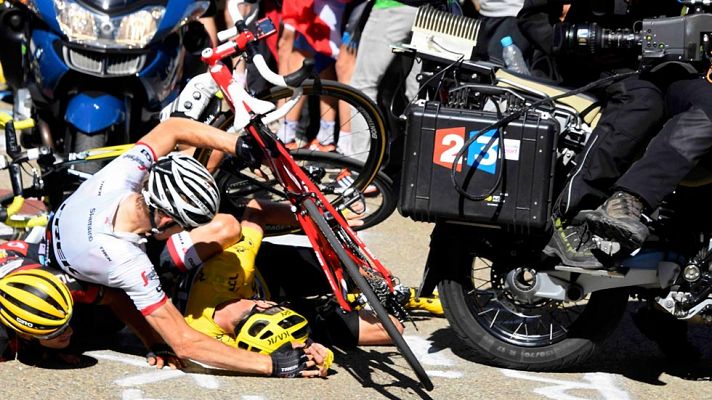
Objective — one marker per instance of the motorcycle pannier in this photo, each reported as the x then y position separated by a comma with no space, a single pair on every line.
521,200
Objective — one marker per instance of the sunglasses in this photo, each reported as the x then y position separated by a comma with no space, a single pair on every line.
52,335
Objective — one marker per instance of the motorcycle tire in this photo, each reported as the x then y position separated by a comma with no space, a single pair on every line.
80,141
521,349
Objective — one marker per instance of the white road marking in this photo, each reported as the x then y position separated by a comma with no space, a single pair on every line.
445,374
422,349
150,377
599,382
126,359
251,397
202,380
133,394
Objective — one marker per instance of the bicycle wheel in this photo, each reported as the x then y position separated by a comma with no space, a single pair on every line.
335,175
347,251
365,122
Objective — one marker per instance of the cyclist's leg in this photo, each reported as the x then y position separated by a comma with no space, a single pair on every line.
345,64
371,332
304,278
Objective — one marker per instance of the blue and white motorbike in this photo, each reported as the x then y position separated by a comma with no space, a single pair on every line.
97,72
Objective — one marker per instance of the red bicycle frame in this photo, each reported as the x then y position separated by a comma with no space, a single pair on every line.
294,180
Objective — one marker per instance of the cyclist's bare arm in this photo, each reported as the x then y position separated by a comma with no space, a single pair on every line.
184,131
188,343
259,213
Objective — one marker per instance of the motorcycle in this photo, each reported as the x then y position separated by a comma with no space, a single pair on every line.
510,304
95,73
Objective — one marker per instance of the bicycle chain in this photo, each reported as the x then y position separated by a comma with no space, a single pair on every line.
388,299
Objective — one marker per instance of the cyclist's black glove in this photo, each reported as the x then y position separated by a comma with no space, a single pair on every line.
288,362
248,152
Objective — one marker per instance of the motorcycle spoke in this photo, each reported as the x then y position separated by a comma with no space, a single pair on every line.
540,322
494,319
517,330
486,311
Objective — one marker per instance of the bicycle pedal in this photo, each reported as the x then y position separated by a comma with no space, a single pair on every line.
433,305
354,202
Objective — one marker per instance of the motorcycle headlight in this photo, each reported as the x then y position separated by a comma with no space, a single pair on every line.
138,28
75,21
85,26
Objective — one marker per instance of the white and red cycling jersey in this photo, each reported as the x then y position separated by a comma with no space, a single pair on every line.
85,244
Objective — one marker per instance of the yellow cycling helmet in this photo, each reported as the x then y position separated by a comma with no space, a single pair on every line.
267,330
35,302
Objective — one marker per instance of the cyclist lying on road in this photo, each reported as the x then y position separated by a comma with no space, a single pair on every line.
33,303
228,288
98,235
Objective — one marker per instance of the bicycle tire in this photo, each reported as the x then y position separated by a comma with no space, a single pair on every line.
380,203
372,115
383,191
365,288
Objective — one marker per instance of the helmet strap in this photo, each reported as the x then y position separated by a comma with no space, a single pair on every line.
155,229
152,217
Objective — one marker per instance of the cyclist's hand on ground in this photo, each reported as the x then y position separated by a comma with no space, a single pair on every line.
291,361
163,356
322,357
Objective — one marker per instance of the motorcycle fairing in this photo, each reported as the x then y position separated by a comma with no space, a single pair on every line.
50,64
111,6
160,76
92,113
176,12
45,8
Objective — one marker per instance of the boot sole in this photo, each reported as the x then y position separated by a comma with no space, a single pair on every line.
553,251
610,228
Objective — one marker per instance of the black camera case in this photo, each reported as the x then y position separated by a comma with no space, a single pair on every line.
521,201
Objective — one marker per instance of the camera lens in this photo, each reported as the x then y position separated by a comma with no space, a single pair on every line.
591,39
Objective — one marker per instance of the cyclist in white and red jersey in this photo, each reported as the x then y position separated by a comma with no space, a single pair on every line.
98,234
19,256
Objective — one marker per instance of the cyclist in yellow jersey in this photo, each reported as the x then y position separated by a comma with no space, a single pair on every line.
229,286
220,284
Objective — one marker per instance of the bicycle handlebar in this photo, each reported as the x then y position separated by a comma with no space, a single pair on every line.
232,38
18,125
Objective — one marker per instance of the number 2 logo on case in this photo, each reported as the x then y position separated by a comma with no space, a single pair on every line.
483,151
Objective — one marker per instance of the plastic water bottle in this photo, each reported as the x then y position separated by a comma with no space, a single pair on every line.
512,56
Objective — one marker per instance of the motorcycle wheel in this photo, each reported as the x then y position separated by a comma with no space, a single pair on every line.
542,335
80,141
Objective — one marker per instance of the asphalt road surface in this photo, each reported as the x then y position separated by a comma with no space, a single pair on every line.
628,366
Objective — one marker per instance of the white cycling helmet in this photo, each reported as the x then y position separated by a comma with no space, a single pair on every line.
183,189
